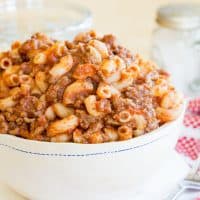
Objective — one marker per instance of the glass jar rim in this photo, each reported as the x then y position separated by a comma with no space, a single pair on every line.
179,16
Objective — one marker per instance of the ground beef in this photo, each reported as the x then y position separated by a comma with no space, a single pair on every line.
29,105
85,119
84,37
26,67
55,91
3,125
115,49
104,106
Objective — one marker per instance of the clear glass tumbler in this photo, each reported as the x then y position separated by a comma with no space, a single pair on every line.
19,19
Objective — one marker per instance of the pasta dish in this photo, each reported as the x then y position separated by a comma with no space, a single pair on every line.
91,90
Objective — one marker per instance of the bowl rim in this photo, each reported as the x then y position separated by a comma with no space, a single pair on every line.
79,150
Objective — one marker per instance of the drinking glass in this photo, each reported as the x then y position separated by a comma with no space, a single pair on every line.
19,19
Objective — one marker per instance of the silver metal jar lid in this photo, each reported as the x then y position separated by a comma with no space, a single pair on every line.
179,16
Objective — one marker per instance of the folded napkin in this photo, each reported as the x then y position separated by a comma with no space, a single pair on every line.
189,142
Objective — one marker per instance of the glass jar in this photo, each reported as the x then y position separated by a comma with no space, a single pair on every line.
19,19
176,45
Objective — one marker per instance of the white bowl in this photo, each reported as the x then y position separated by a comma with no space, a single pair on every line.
41,170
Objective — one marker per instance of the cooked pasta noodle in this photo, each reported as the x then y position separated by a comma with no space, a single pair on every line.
62,67
75,90
62,138
125,132
12,80
40,81
90,103
65,125
50,114
5,63
111,134
125,116
101,47
6,103
62,111
40,58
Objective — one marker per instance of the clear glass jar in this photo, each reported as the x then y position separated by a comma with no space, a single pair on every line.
19,19
176,45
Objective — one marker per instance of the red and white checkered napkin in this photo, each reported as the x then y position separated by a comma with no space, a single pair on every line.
189,142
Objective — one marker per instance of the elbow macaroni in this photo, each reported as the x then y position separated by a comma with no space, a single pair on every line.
12,80
65,125
90,103
84,71
40,59
106,91
91,90
62,111
75,90
40,81
5,63
125,132
100,46
62,67
7,103
50,114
